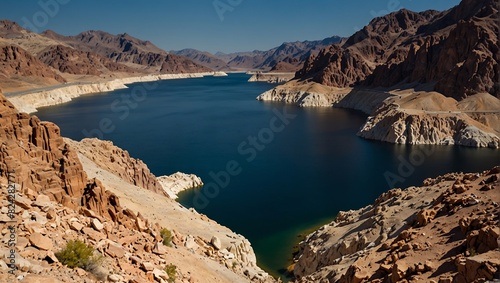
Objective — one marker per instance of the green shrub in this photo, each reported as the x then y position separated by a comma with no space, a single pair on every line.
171,271
78,254
166,236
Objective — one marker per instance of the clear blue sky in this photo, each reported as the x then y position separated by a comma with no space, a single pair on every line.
236,25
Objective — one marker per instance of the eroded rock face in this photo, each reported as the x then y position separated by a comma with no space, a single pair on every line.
460,58
40,159
445,231
382,40
72,61
15,61
398,126
123,48
456,50
178,182
42,162
119,162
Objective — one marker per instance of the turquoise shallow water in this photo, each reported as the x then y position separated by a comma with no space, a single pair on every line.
296,174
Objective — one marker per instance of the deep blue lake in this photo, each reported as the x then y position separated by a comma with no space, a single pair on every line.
272,171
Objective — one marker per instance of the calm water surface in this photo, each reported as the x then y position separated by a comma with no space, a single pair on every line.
294,179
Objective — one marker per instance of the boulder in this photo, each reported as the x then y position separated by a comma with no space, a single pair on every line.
425,216
159,249
399,271
75,225
42,200
51,214
22,202
160,274
147,266
482,267
97,224
93,234
216,243
115,250
191,243
115,278
40,219
41,242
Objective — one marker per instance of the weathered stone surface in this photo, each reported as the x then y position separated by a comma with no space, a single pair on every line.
93,234
23,202
405,46
115,250
97,224
42,200
115,278
120,163
57,171
160,274
75,225
40,241
159,249
147,266
178,182
191,243
216,243
425,216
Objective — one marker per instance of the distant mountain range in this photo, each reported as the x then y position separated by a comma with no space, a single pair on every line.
288,57
456,51
29,59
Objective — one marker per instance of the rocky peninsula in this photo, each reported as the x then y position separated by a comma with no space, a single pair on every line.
410,97
271,77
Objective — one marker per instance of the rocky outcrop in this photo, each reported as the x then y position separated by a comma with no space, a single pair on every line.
382,40
42,162
17,62
394,125
454,50
272,78
445,230
123,48
200,235
55,201
404,116
72,61
459,58
305,95
178,182
36,152
119,162
131,246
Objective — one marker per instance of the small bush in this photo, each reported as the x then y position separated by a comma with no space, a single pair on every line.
472,251
78,254
171,271
166,236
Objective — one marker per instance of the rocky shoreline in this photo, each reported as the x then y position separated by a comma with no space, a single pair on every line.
95,192
29,101
403,116
272,78
444,231
178,182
